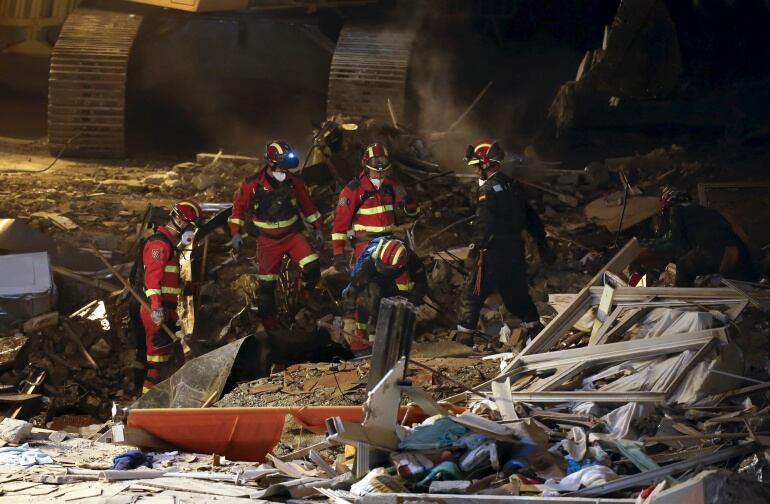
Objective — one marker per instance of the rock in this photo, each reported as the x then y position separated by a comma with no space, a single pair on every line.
14,431
203,181
101,348
155,179
41,322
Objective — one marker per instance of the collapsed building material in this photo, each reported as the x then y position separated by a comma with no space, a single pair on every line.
26,287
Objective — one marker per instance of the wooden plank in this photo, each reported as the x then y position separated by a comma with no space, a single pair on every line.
197,486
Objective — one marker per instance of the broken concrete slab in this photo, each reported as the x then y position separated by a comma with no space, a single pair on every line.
606,211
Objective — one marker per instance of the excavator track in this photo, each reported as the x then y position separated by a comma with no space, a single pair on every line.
370,65
87,83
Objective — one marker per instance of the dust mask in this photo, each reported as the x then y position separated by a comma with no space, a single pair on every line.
186,239
279,176
376,182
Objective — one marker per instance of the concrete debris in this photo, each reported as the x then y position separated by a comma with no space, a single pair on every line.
14,431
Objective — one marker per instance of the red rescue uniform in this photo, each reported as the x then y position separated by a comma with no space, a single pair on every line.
275,208
162,287
367,211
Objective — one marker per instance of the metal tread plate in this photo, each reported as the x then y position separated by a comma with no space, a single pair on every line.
370,65
87,83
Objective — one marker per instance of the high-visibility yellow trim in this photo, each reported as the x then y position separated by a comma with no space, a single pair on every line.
375,210
277,147
308,259
158,358
267,278
482,197
233,220
400,251
372,229
171,290
474,161
481,146
313,217
339,236
405,287
145,390
171,269
370,151
362,325
152,292
376,253
275,225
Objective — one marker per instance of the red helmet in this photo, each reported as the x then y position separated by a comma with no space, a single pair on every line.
279,154
484,153
390,256
376,157
189,211
673,196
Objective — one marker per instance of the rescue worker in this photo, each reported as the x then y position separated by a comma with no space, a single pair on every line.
385,268
367,205
698,239
497,256
162,287
274,199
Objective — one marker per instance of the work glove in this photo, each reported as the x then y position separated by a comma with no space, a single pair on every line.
236,241
157,316
160,339
318,235
341,264
547,255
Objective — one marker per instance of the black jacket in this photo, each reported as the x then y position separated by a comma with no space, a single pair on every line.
503,211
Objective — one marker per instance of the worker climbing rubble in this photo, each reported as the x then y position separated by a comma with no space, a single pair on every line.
367,205
385,268
497,258
698,239
274,199
156,274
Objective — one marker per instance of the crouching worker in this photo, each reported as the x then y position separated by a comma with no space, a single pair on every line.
156,276
385,268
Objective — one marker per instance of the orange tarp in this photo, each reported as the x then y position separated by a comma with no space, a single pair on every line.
241,433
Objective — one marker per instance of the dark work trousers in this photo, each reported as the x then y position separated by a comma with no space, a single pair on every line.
135,322
504,269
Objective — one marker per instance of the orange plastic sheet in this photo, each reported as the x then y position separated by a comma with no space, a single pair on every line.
246,434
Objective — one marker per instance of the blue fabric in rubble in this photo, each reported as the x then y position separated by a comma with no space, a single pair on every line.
131,460
439,434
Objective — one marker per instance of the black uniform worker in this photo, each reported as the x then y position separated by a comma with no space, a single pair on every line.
699,240
497,248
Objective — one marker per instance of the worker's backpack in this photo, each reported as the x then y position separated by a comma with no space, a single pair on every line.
136,277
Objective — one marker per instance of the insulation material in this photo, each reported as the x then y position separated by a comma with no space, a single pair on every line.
667,321
620,421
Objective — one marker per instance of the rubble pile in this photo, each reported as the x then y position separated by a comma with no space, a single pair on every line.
345,383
